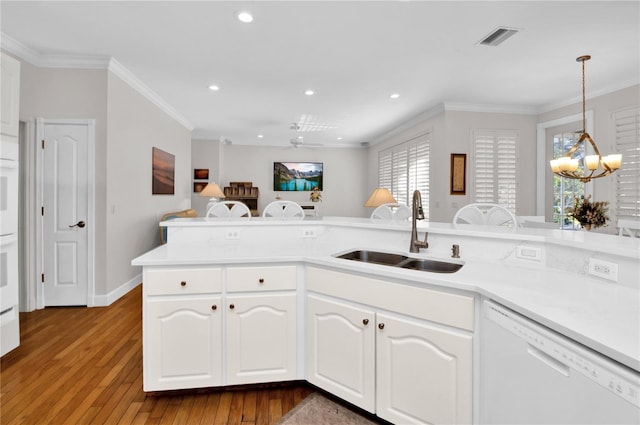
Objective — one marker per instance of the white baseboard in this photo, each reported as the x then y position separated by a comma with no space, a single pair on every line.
116,294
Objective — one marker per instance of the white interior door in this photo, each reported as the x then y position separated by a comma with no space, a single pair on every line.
65,224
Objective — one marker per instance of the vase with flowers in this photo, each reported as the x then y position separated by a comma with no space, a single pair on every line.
589,213
315,195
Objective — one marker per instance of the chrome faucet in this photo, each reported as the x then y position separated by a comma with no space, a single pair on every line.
417,214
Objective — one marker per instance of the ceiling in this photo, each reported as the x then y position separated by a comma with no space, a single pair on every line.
352,54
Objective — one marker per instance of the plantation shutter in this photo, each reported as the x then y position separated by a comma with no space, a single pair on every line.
495,168
405,168
627,140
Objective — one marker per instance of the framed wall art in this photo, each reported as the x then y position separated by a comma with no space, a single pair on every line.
199,186
201,174
164,169
458,182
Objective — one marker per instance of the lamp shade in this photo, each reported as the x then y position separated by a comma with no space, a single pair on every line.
380,196
212,190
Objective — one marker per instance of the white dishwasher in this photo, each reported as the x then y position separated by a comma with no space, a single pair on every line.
530,374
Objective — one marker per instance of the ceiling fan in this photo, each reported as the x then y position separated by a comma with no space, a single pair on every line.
298,141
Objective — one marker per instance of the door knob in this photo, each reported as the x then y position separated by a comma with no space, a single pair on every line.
79,224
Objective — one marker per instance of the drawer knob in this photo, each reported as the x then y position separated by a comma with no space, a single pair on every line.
380,325
232,306
365,321
183,283
261,280
214,307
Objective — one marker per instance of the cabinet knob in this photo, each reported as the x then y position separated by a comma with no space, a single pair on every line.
214,307
261,280
232,306
380,325
183,283
365,321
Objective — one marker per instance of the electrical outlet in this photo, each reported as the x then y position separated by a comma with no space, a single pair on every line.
309,233
603,269
232,234
529,253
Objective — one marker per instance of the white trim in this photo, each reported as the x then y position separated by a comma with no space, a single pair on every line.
541,163
91,62
28,302
125,75
116,294
491,109
91,217
601,92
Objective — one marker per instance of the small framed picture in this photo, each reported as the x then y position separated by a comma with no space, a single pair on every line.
458,174
201,174
199,186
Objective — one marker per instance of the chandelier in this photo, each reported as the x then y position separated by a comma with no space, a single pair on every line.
594,165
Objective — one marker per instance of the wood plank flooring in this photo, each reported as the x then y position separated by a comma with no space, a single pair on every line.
84,366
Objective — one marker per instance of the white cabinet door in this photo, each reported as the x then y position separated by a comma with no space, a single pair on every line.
424,373
261,338
9,96
182,343
341,350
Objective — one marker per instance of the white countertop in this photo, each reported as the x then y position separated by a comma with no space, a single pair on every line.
602,315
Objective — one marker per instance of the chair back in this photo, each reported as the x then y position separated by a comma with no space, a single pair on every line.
391,211
486,214
229,209
283,209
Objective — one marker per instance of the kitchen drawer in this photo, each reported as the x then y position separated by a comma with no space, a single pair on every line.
244,279
183,281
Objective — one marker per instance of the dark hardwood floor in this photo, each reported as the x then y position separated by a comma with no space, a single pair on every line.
84,366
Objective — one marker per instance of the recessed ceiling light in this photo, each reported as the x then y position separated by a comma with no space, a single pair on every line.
260,136
339,138
245,17
394,96
214,87
309,92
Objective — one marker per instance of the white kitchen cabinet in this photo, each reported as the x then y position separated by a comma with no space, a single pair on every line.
341,350
261,338
261,325
182,328
10,98
405,368
182,347
423,372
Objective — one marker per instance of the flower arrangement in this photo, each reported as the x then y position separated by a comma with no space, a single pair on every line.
315,195
589,213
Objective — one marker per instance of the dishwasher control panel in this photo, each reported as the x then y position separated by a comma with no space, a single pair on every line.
563,354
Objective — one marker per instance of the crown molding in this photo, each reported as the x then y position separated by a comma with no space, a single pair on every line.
117,69
603,91
487,108
41,60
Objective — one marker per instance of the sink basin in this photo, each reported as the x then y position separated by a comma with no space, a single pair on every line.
430,265
402,261
376,257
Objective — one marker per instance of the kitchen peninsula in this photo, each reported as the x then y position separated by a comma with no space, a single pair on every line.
261,300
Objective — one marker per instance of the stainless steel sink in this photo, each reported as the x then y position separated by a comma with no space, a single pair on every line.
376,257
402,261
431,265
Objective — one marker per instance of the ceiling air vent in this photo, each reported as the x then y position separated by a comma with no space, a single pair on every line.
497,36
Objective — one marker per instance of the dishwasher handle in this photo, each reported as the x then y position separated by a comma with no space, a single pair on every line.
553,363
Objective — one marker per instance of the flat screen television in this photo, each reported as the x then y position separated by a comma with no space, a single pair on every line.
297,176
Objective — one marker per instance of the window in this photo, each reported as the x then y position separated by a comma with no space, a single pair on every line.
627,138
495,167
405,168
565,191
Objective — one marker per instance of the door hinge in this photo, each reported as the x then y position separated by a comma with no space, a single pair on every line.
42,211
42,278
42,143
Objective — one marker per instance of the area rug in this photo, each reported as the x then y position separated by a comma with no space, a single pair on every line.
317,409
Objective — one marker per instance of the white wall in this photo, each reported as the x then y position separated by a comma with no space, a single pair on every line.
451,132
345,172
204,154
134,127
